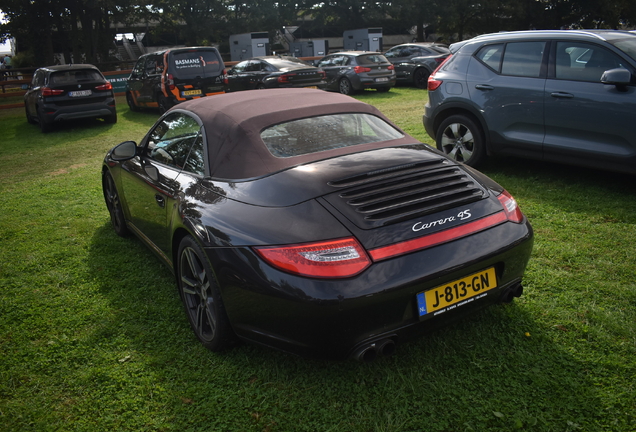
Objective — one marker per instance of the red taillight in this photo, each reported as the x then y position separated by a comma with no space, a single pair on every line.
285,78
512,210
361,69
46,91
107,86
327,259
433,84
225,78
323,74
391,67
170,82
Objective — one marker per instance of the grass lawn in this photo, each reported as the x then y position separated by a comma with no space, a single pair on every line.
93,336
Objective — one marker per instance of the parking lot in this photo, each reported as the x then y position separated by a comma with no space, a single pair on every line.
93,336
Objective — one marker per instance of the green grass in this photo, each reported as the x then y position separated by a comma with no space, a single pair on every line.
93,337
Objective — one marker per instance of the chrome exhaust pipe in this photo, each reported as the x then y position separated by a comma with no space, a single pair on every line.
366,354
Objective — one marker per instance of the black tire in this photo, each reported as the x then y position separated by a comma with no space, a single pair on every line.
201,297
131,102
345,87
113,203
45,126
164,103
420,78
461,139
28,117
111,119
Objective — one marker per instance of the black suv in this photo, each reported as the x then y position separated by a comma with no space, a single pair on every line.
165,78
68,92
414,62
565,96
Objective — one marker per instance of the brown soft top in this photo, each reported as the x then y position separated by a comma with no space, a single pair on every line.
233,124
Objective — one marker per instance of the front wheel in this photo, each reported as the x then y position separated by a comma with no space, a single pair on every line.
113,203
131,102
461,139
201,297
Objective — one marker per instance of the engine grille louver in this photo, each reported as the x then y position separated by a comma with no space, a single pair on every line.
403,192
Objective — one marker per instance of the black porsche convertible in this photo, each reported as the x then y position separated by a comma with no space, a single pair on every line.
312,224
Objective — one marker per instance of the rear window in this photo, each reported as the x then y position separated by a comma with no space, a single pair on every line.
316,134
372,59
74,76
190,64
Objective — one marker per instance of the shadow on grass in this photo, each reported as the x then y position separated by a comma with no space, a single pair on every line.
497,369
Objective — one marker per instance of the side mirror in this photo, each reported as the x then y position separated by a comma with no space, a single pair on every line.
617,77
230,72
133,75
124,151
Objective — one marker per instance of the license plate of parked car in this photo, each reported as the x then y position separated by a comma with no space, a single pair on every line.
456,293
381,79
191,93
80,93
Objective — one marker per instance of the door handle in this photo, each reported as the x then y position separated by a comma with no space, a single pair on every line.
562,95
160,200
484,87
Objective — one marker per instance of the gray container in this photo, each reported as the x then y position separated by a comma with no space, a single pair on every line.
247,45
363,39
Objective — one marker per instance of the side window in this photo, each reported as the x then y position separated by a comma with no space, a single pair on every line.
490,55
139,67
170,141
195,163
523,59
578,61
151,65
240,67
325,62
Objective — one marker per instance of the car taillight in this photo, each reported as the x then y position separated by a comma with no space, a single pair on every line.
326,259
323,74
46,91
391,67
433,84
107,86
361,69
225,78
285,77
512,210
170,82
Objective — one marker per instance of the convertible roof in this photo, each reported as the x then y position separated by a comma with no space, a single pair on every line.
233,123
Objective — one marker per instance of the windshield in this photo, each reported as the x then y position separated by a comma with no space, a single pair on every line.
316,134
628,46
193,63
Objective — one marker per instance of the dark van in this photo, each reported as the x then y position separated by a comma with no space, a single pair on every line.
165,78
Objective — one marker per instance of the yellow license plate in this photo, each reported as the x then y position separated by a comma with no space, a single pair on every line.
313,87
456,293
191,92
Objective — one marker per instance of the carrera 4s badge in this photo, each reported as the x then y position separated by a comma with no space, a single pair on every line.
462,215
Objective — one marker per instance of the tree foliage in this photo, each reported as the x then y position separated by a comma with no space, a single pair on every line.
85,28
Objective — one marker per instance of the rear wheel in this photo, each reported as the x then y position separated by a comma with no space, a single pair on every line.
28,117
420,78
201,297
45,126
111,119
113,203
462,140
345,87
164,103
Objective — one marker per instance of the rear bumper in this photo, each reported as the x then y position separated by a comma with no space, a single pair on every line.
53,112
334,318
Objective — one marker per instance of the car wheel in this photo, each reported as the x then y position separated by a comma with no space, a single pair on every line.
462,140
420,78
164,104
111,119
131,102
45,126
344,86
201,297
113,203
28,117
